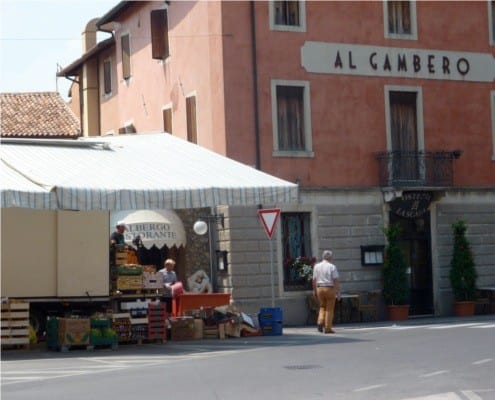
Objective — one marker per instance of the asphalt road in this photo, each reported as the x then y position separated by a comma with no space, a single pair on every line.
434,359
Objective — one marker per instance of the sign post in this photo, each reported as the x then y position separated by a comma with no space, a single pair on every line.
269,218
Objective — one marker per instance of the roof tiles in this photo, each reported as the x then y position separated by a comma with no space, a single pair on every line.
37,115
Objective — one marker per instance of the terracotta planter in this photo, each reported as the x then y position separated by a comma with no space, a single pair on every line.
464,308
398,313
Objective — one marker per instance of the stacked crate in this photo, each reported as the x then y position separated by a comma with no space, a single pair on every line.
129,277
15,323
66,333
157,322
271,321
121,324
102,334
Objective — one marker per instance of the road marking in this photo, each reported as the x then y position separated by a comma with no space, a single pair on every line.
438,396
464,325
484,361
444,371
485,326
471,395
372,387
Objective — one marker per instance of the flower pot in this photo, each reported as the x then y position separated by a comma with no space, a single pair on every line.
398,313
464,308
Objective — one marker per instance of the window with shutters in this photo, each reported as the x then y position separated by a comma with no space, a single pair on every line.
107,77
167,120
126,56
400,19
288,15
491,21
492,94
192,134
291,119
159,34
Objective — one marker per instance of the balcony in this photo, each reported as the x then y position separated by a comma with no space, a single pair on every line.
416,168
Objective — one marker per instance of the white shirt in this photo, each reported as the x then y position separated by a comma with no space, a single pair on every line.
324,273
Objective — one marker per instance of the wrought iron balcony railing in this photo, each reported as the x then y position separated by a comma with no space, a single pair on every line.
416,168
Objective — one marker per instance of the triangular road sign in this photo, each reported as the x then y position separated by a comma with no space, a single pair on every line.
269,218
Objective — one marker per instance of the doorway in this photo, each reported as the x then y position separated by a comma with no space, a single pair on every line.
416,245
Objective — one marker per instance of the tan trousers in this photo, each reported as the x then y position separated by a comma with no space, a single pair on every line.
326,297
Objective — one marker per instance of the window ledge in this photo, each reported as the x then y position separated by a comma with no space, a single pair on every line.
289,28
294,154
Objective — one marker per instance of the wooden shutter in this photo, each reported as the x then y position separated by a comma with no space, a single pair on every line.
126,56
192,134
159,34
167,120
107,76
290,112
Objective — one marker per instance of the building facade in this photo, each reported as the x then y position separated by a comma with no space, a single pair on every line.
382,112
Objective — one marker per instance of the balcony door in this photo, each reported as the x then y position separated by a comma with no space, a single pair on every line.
406,163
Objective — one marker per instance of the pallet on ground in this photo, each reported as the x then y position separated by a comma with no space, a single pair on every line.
15,324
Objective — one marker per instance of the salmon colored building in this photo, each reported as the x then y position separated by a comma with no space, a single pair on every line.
383,112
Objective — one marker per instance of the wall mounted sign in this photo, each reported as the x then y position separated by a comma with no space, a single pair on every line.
351,59
412,204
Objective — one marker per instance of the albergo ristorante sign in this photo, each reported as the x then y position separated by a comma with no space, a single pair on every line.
351,59
412,204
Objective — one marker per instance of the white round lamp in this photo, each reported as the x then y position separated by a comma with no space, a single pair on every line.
200,227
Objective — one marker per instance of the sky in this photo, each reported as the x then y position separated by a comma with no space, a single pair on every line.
38,35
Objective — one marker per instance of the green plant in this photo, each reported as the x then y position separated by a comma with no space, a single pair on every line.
300,268
395,278
462,272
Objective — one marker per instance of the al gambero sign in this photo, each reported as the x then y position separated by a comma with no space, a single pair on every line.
412,204
351,59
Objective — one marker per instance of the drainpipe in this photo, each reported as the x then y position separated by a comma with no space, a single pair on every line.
90,116
255,87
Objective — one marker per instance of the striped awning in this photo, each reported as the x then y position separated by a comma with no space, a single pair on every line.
129,172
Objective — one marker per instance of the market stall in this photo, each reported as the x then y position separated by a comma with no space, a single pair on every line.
58,195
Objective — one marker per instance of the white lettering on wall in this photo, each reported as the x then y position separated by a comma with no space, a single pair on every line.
349,59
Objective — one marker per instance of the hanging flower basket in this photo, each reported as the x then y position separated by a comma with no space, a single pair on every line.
299,272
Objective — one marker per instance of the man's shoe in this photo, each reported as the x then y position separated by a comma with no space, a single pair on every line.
329,331
320,328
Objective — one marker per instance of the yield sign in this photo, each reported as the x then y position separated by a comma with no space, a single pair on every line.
269,217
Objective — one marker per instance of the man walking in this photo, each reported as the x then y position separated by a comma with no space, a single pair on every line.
326,288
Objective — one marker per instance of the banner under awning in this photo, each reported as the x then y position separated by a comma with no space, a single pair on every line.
154,227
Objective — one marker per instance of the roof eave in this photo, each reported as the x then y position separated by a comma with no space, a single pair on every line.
73,68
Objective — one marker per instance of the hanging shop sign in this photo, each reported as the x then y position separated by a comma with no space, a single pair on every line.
151,227
351,59
412,204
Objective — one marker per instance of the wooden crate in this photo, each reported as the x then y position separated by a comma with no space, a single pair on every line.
15,323
120,257
129,282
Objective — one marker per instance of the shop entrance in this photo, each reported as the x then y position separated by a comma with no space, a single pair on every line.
416,245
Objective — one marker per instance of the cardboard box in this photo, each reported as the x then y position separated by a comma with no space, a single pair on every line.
232,329
73,331
198,328
152,280
181,328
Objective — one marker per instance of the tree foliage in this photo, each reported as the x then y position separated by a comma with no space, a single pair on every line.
462,272
396,288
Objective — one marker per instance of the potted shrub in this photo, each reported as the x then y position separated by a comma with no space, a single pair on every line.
462,272
396,288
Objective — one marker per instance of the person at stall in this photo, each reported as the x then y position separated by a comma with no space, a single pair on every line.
117,237
117,240
169,280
